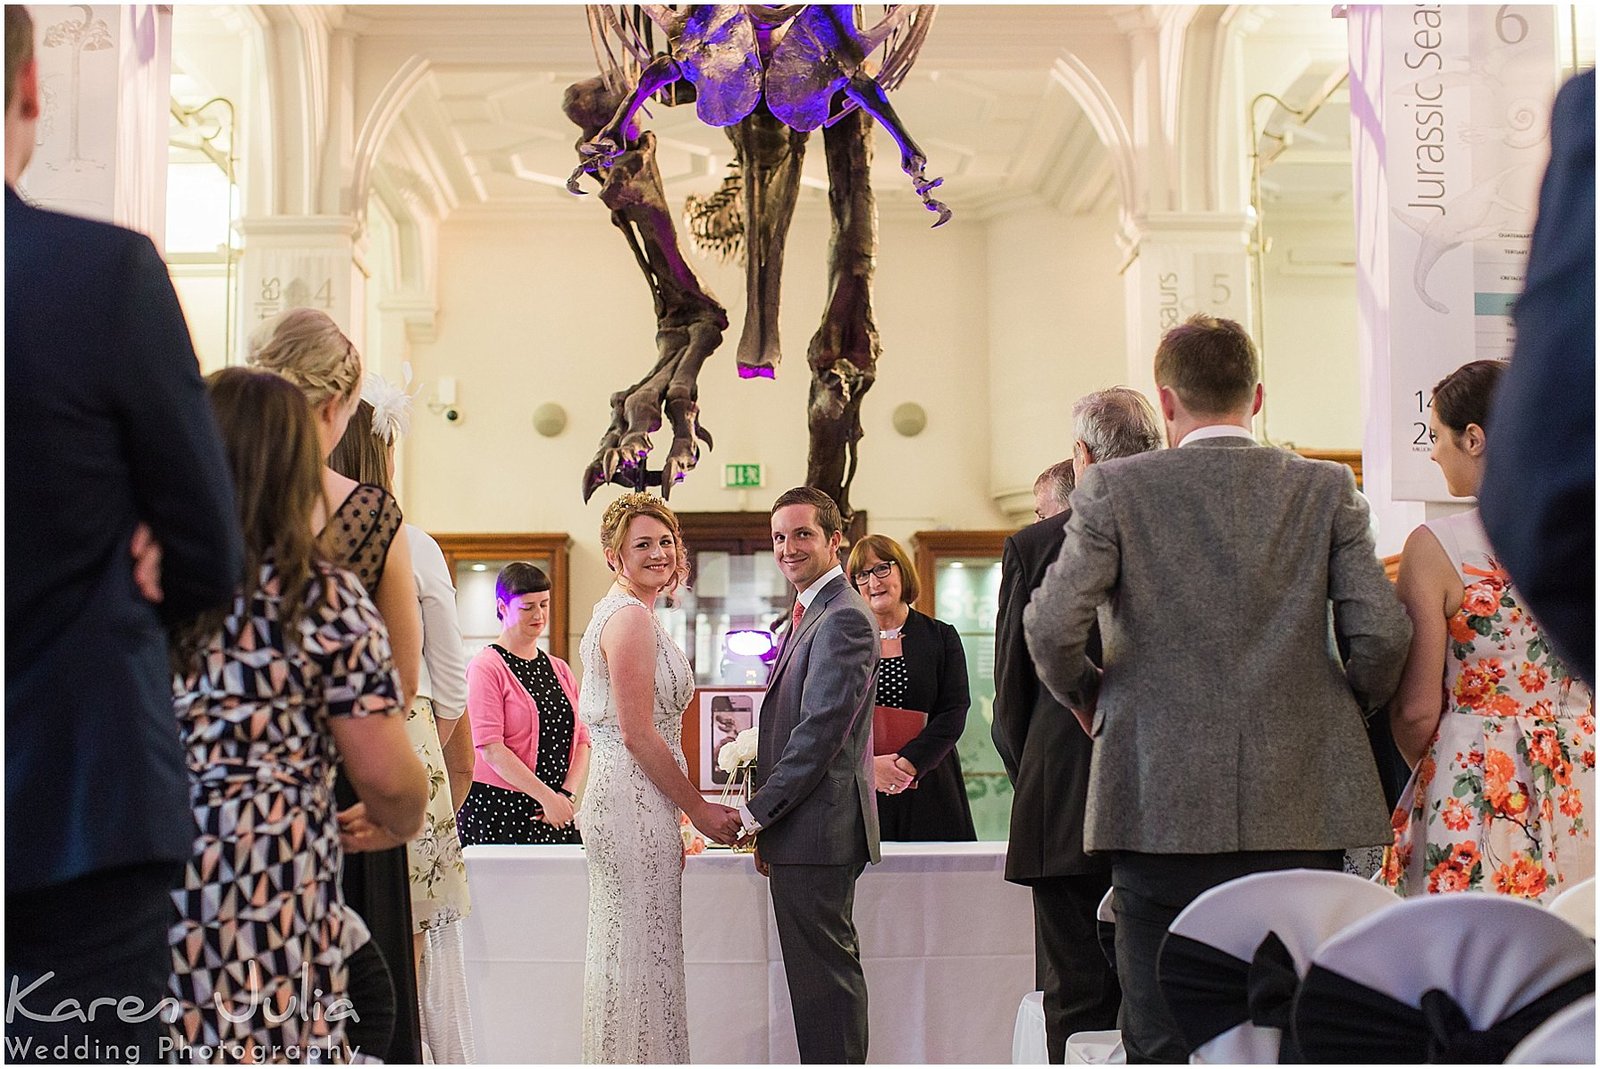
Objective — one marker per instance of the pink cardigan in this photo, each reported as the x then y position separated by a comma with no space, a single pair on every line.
502,711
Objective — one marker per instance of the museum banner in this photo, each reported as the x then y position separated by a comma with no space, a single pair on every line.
1466,99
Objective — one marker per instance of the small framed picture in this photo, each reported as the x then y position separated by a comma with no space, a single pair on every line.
721,714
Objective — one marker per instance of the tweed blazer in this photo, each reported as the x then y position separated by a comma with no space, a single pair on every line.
1226,718
813,782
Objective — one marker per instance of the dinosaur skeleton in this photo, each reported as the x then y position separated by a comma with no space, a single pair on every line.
769,75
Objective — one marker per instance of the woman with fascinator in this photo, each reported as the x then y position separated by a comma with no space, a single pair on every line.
636,685
439,735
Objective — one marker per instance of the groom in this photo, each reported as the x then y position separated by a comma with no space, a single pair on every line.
813,802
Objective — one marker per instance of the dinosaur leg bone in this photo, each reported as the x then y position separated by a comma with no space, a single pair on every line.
844,352
770,155
689,320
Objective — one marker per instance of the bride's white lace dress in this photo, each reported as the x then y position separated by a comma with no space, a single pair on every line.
634,1003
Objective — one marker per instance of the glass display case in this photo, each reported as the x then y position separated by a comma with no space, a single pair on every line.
961,585
475,560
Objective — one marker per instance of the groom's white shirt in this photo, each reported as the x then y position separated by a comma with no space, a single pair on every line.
805,598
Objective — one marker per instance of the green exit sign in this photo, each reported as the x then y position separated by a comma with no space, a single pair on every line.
741,476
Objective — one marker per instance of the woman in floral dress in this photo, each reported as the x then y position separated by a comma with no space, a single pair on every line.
1500,735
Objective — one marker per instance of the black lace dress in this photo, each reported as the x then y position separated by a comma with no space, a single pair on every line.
377,885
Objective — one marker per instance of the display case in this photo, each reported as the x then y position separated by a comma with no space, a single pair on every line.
960,573
475,560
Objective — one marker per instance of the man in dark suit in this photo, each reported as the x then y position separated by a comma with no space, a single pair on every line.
118,497
1046,751
1229,735
1537,497
813,801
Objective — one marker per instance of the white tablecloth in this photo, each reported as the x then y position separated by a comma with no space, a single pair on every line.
946,943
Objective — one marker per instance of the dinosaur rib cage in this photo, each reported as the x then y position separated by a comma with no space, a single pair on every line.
716,223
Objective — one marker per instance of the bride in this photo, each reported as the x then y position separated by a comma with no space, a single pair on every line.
636,684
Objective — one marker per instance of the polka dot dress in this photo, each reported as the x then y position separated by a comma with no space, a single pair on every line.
496,815
892,682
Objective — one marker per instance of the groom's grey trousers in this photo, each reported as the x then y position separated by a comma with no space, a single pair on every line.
822,960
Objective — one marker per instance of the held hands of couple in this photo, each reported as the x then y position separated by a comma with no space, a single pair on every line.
718,823
893,774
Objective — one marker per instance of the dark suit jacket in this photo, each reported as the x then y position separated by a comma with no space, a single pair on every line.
936,684
107,424
1045,751
1537,498
813,780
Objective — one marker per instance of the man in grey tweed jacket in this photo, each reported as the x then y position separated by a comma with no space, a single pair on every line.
1228,731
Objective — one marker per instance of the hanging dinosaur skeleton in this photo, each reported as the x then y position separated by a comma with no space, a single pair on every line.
768,75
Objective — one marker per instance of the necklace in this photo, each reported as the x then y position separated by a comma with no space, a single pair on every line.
890,634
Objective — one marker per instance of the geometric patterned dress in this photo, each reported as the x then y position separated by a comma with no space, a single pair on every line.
258,971
1499,801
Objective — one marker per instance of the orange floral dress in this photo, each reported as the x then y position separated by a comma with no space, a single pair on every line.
1497,802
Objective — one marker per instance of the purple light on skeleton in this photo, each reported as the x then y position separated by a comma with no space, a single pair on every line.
757,372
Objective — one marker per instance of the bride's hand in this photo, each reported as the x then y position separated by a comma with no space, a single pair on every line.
718,823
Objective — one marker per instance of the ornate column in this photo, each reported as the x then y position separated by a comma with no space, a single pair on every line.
315,261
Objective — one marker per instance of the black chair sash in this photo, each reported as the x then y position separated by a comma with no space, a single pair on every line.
1106,934
1209,991
1337,1019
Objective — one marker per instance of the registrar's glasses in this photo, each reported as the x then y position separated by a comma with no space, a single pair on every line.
879,570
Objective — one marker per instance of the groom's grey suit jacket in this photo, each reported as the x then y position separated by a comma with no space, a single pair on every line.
1227,576
813,782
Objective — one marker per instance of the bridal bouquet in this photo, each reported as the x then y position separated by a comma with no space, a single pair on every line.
738,760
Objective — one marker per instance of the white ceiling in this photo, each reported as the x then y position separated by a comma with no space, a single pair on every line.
484,133
980,102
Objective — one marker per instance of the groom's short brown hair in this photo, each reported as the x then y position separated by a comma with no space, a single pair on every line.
1211,364
827,512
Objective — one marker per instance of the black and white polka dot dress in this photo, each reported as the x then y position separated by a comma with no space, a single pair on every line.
496,815
892,682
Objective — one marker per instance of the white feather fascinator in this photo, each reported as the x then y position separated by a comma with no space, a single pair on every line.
391,405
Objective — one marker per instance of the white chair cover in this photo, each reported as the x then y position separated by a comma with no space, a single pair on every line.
1565,1039
1029,1044
1107,911
1096,1048
1444,977
1302,907
1575,905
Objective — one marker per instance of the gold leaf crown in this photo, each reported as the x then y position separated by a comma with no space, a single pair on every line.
625,507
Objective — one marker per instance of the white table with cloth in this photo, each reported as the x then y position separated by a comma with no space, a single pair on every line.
946,943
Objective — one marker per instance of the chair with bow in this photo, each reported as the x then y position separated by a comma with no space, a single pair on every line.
1232,960
1565,1039
1575,905
1459,978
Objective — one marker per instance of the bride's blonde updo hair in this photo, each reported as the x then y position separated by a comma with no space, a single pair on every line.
308,348
614,531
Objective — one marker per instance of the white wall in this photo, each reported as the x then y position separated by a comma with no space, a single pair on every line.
1309,354
557,310
1055,333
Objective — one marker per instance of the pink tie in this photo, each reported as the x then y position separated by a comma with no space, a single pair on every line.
794,619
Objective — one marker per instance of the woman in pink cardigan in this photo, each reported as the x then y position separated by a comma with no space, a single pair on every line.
533,752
